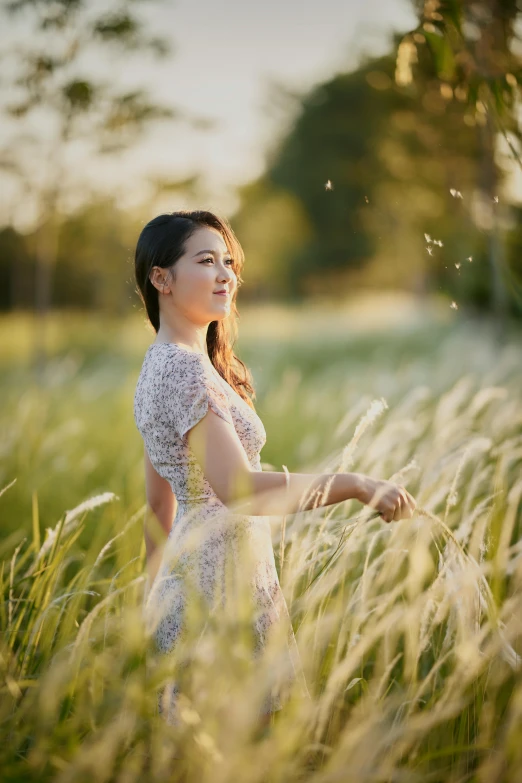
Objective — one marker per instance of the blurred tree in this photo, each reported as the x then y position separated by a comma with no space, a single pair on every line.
94,261
476,50
51,80
16,269
514,258
370,166
272,227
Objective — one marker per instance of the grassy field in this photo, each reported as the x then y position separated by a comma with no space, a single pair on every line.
410,633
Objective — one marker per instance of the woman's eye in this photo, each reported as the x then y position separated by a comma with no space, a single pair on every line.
230,261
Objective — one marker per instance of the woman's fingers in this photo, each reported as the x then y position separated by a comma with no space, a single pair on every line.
404,506
399,508
393,501
408,503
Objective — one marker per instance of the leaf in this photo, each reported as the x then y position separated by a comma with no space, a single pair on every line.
453,11
19,110
116,26
352,683
79,94
443,55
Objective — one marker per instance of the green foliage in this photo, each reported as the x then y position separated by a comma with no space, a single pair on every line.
443,55
408,166
475,48
93,264
402,147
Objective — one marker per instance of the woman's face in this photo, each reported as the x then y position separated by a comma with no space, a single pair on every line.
204,269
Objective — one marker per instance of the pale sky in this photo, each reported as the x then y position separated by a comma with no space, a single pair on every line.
226,53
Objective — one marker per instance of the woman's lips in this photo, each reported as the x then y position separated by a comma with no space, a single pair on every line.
221,293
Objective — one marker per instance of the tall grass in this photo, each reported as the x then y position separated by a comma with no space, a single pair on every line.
409,633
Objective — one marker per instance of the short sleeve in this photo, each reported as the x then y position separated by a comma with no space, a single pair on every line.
190,389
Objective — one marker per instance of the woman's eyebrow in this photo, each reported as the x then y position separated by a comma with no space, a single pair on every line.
214,252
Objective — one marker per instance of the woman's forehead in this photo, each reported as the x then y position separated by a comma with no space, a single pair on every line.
205,238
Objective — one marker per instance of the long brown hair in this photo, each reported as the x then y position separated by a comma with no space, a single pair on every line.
161,243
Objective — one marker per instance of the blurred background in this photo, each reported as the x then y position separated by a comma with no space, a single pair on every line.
353,146
367,155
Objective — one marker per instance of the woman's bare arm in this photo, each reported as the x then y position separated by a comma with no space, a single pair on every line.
274,493
157,526
220,453
159,513
224,462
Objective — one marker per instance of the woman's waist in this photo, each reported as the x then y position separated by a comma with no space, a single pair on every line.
187,501
208,513
205,508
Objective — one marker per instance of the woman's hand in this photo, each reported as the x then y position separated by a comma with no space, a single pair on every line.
392,501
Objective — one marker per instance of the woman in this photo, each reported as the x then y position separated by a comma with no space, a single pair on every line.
193,407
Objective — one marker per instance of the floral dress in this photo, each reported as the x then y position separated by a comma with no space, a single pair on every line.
208,546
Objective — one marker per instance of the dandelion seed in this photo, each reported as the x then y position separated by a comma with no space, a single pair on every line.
431,241
454,306
470,259
367,199
457,266
455,193
495,199
328,185
430,250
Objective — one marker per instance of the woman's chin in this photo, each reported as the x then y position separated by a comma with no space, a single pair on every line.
223,310
220,315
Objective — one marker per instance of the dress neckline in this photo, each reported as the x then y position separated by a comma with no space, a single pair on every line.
204,356
180,348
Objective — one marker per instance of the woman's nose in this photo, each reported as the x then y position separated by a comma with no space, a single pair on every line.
226,274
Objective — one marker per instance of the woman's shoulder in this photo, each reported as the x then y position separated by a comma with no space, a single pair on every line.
171,366
169,376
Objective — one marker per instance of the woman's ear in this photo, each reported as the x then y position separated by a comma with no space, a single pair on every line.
160,280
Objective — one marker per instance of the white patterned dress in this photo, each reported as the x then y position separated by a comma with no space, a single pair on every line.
207,543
